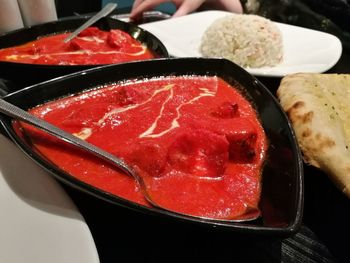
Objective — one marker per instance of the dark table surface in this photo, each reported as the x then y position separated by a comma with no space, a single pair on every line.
122,235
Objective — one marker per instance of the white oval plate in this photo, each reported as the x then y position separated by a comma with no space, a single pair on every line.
39,222
305,50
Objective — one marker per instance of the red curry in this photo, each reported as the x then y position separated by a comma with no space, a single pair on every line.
197,141
91,47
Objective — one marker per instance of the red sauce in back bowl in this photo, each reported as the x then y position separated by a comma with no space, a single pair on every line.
91,47
196,139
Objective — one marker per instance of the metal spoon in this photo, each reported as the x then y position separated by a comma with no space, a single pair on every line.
105,11
19,114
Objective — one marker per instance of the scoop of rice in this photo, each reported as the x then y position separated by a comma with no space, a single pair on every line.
247,40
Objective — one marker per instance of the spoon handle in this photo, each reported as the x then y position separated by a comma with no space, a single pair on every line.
17,113
105,11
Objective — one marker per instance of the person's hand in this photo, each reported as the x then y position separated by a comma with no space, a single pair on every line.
185,6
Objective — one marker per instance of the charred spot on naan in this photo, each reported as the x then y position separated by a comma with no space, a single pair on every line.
303,118
306,133
320,143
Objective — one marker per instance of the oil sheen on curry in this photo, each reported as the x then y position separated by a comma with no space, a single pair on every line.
91,47
196,140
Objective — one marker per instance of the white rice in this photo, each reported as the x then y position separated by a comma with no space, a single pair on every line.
247,40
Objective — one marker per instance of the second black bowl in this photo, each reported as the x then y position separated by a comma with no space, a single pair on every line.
21,75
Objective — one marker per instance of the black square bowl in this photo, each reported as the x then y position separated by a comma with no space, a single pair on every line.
24,74
282,177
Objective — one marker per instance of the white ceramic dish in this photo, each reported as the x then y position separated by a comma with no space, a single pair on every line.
305,50
39,223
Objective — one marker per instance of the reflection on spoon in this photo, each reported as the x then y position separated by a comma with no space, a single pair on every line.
105,11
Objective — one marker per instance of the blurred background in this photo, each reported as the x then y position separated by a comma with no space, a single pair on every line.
88,6
331,16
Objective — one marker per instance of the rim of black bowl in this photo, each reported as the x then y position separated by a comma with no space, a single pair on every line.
62,86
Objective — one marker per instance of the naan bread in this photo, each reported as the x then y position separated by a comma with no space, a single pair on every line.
318,106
